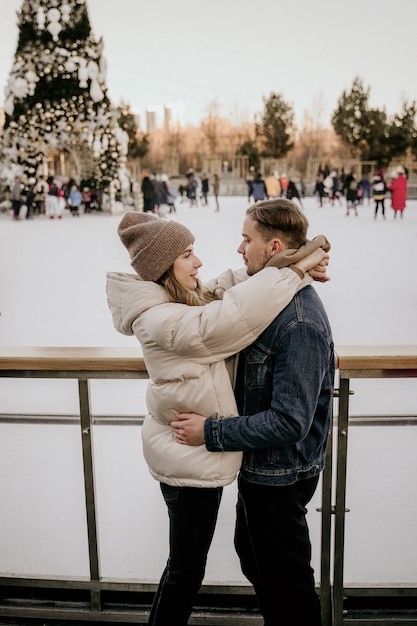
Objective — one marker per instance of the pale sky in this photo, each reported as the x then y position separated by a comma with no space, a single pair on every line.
188,53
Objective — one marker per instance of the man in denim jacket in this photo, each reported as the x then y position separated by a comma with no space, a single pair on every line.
284,392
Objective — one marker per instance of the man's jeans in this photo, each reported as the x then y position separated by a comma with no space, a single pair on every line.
273,544
192,520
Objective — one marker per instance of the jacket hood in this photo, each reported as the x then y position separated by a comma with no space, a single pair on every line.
128,296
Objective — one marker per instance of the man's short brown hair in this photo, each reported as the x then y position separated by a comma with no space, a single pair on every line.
280,218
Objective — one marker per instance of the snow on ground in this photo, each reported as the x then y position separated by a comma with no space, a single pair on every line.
52,273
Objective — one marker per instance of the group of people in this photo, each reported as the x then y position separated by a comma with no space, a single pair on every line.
159,196
272,187
241,374
50,197
333,187
397,187
194,188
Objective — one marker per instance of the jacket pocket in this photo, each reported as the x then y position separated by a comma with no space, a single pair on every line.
257,367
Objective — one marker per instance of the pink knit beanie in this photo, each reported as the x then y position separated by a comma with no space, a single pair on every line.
153,243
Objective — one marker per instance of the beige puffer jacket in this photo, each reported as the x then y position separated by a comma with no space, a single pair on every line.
185,348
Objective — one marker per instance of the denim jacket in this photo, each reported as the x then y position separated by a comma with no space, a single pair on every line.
284,393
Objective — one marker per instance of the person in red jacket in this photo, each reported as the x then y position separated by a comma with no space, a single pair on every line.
398,189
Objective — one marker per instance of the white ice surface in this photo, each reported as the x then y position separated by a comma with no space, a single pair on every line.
52,293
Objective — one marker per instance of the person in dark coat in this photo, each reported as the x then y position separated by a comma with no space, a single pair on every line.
259,188
148,193
292,192
16,197
204,188
29,202
191,188
163,195
319,189
350,189
379,188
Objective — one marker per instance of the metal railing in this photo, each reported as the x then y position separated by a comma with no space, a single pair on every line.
365,362
126,602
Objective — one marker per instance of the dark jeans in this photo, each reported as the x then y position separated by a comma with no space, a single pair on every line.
148,205
273,544
377,203
192,520
16,204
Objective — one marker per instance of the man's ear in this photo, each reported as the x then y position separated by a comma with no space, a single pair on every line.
276,246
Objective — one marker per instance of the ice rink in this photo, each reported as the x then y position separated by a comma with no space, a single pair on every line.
52,293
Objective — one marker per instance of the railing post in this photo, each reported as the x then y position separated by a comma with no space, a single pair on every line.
339,533
89,487
326,528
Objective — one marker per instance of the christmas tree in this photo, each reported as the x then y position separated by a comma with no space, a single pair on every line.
56,97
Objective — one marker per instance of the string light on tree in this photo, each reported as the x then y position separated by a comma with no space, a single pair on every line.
56,96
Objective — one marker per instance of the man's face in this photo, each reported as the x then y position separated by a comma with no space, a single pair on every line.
255,252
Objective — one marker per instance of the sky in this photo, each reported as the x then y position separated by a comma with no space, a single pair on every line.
188,55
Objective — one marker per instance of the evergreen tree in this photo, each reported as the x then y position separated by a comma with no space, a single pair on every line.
402,132
56,96
376,145
367,132
362,129
276,126
350,120
138,145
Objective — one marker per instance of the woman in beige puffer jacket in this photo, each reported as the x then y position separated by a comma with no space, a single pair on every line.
185,350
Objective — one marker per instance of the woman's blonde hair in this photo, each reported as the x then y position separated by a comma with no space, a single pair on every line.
177,293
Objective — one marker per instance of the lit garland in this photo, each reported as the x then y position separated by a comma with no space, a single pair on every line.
56,96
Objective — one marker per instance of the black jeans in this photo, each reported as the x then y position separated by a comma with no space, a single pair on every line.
377,203
273,544
192,520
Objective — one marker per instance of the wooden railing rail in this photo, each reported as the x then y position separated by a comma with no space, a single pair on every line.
348,358
71,359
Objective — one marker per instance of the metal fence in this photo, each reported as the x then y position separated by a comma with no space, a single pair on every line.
101,600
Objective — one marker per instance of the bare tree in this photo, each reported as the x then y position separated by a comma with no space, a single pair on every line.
210,127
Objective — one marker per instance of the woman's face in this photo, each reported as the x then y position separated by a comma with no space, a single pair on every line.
186,268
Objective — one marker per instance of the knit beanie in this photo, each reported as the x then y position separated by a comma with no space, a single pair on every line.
153,243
